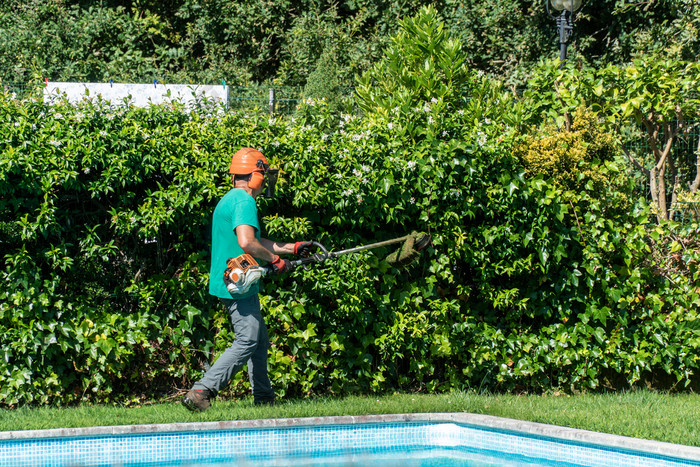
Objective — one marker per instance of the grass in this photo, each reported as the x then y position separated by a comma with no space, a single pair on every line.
642,414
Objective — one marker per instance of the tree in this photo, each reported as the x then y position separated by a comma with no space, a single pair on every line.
323,85
662,96
422,63
258,41
64,42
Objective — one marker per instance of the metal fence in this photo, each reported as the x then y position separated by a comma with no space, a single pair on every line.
272,100
20,90
687,212
685,156
279,100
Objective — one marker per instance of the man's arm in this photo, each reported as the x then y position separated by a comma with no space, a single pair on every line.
263,249
278,248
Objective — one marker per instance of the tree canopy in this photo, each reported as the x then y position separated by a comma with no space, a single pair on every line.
253,41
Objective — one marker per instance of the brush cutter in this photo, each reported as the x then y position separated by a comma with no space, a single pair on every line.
243,271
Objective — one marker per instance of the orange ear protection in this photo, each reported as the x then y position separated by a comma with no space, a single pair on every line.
258,176
256,180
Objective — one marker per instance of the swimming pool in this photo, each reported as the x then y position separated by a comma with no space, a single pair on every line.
395,440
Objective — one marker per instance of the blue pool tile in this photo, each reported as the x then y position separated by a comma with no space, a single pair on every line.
403,443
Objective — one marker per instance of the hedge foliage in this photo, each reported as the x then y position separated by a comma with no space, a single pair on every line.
528,285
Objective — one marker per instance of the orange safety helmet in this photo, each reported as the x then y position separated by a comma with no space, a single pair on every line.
249,161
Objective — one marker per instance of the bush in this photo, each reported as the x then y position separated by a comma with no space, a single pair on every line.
570,158
106,211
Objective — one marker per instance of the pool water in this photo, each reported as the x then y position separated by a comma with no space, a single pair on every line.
402,444
410,458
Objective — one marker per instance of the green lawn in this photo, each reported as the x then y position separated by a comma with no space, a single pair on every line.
642,414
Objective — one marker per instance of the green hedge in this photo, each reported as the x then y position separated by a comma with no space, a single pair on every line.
105,218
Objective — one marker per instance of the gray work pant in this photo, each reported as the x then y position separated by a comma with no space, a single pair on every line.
249,346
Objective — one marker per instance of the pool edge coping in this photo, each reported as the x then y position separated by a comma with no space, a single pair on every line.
604,440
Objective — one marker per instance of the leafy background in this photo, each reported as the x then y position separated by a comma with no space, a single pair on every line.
280,43
545,272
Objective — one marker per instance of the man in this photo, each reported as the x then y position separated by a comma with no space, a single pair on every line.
236,231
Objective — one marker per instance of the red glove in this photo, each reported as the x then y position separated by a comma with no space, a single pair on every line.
280,265
304,249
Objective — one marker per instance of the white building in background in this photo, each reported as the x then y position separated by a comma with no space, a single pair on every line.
139,95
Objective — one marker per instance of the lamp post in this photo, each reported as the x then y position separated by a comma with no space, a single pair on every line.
565,21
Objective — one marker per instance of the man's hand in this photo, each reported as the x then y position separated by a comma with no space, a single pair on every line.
280,265
304,249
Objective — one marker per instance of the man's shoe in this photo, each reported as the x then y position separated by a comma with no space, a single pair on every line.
197,400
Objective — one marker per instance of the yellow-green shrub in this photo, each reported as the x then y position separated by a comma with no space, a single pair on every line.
570,158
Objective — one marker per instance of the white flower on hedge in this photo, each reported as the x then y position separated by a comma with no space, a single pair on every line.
339,176
460,112
356,173
58,116
481,139
275,144
391,126
410,165
365,181
349,192
433,100
103,133
55,143
431,119
366,168
413,200
86,170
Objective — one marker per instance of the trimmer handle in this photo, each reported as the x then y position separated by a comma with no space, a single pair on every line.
319,257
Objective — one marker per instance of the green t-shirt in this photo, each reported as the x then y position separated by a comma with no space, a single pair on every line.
236,208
